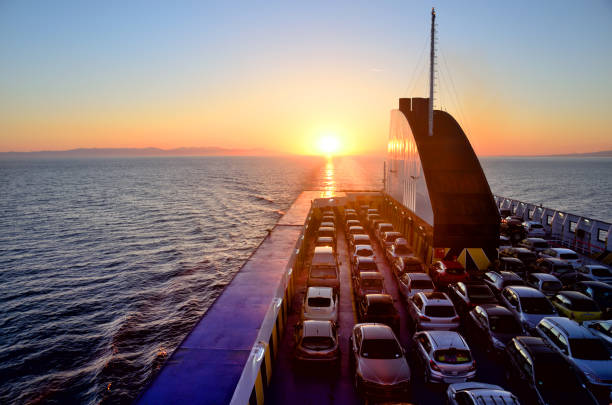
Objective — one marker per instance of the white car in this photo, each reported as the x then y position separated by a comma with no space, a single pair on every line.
597,272
567,255
534,229
320,304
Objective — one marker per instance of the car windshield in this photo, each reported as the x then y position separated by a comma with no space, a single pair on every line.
413,268
391,238
551,286
597,272
589,349
479,292
381,349
319,302
452,356
455,270
536,305
372,283
381,308
422,285
367,266
440,311
402,249
568,256
317,342
585,306
363,252
504,324
323,272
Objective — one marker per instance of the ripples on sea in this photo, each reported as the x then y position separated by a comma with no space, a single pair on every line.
106,264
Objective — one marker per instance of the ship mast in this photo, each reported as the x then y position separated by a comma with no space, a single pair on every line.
432,62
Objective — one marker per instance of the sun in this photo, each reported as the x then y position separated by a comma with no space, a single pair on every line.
329,144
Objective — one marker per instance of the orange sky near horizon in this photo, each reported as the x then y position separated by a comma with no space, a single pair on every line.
75,83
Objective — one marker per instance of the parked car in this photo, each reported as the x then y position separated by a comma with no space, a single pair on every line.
575,305
513,264
362,251
541,375
504,242
379,308
444,272
325,241
326,231
548,284
358,239
551,265
567,255
497,281
329,219
354,230
467,294
399,248
602,329
598,291
525,255
584,350
413,283
474,393
444,357
348,215
351,222
327,224
369,282
382,228
320,304
432,311
408,264
534,229
534,244
373,220
378,362
527,304
389,238
316,341
492,326
596,272
323,270
363,264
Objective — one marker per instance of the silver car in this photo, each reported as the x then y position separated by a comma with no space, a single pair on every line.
444,356
316,341
432,311
527,304
597,272
579,346
379,362
547,283
601,329
479,393
414,283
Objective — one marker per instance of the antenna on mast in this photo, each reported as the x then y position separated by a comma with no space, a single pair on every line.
432,61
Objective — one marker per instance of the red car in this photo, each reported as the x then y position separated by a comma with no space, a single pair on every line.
445,272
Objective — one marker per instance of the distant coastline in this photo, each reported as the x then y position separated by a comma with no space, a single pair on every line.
138,152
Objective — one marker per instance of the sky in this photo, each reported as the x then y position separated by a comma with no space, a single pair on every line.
520,78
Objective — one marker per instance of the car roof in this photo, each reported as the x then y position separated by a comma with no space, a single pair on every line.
418,276
451,264
361,236
534,345
379,298
535,239
364,246
435,297
524,291
563,250
494,309
326,292
326,228
392,233
323,249
596,284
375,331
380,224
317,328
555,260
545,277
510,275
575,296
571,328
365,259
371,274
355,227
511,259
446,339
325,238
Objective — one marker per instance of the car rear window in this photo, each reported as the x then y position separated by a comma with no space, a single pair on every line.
380,349
363,252
601,273
536,305
422,285
319,302
589,349
551,286
381,308
504,324
568,256
367,266
317,342
585,306
452,356
440,311
323,272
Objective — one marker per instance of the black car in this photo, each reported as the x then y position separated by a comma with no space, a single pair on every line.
600,292
379,308
539,374
525,255
466,295
498,280
492,327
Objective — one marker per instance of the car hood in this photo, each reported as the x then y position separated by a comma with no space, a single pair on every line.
384,371
534,319
601,368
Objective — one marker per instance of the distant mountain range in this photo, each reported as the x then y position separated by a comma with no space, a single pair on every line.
126,152
603,153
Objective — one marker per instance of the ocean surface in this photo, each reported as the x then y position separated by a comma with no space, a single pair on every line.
106,264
